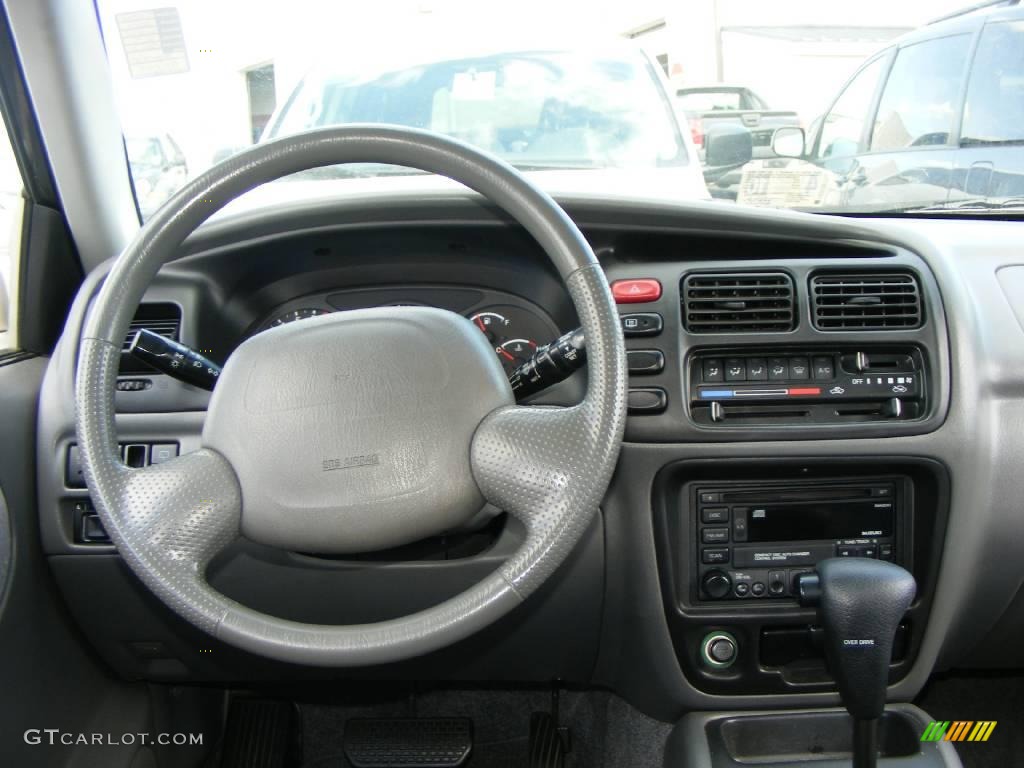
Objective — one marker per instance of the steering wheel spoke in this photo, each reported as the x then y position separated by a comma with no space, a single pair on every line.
169,521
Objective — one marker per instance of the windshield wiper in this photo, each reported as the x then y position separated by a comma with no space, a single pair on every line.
962,206
354,171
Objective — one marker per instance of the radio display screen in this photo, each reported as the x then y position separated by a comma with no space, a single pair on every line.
795,522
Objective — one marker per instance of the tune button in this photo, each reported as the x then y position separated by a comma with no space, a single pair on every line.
742,589
716,584
757,588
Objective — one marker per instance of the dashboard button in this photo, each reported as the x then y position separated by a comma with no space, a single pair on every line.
714,535
710,497
777,582
93,530
636,291
757,369
778,369
823,369
74,476
715,515
799,369
713,372
757,588
713,556
162,452
641,324
647,400
735,369
739,524
742,589
645,360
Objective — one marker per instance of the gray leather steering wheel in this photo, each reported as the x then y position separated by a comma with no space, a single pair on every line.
357,430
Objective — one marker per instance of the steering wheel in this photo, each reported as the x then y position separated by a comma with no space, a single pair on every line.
357,430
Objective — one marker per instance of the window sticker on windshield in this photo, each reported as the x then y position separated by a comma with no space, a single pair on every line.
783,183
474,86
153,42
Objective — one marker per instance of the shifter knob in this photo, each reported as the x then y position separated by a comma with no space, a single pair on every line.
860,603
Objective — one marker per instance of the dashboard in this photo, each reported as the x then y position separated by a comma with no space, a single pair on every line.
800,387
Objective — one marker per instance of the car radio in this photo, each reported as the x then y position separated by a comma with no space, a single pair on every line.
752,541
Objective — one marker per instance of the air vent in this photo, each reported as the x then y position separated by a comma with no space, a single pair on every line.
738,303
865,301
164,319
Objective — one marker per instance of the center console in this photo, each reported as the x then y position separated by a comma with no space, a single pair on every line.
734,536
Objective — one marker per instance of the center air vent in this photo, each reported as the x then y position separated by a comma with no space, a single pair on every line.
738,303
865,301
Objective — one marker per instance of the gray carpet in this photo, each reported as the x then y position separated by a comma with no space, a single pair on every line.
606,732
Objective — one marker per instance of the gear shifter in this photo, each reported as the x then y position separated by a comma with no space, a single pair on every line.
860,603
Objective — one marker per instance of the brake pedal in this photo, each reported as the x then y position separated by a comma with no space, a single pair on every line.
397,743
261,733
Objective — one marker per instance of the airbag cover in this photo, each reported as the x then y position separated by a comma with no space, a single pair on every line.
351,432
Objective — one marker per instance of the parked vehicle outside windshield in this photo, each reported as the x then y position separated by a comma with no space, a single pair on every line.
539,110
910,108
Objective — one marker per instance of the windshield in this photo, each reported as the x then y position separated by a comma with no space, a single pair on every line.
537,110
874,108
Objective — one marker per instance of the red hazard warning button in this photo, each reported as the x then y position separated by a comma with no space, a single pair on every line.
636,291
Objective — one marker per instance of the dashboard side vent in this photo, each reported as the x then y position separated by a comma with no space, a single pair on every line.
164,319
742,302
865,301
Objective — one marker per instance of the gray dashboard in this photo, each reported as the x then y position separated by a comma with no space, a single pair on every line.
238,272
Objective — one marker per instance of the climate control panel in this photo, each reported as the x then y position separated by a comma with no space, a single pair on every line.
810,385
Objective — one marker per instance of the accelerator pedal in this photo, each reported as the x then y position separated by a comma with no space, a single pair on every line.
419,742
261,733
547,748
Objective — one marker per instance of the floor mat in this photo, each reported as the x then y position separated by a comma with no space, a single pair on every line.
606,731
985,696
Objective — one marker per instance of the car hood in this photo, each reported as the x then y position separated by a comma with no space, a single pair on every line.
669,184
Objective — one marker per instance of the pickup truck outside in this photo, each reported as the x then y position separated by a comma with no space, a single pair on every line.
708,106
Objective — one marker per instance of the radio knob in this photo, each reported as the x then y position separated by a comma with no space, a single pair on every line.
716,584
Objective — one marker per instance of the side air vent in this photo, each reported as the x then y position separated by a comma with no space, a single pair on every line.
738,302
865,301
162,318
